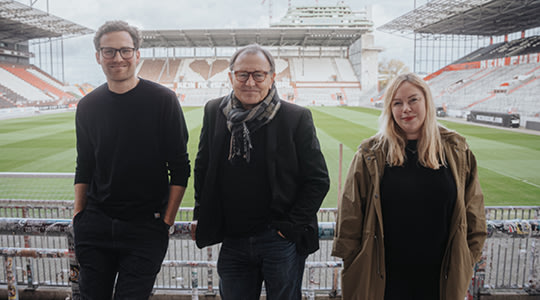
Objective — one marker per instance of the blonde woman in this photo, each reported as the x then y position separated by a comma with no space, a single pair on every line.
411,221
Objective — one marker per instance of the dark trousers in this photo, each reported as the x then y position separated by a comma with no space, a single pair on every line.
244,263
119,255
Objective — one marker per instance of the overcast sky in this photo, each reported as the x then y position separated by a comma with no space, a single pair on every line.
80,65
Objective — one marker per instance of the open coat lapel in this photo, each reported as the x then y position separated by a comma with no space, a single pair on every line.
271,150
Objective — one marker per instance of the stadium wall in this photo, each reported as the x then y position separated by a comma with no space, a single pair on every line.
364,57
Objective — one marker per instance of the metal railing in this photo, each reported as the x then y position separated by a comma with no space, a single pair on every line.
63,209
39,252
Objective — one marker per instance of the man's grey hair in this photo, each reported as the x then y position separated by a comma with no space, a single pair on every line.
253,49
115,26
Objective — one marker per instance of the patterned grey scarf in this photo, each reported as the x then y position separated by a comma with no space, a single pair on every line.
242,122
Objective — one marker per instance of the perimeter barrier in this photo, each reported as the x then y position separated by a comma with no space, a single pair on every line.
37,249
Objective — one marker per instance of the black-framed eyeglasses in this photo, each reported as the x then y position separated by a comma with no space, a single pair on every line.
109,52
243,76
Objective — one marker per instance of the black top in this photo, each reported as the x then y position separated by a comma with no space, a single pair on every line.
417,205
127,146
245,190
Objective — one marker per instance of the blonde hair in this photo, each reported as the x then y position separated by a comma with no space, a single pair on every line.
392,138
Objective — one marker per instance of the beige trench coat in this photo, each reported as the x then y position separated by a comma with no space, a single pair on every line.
359,228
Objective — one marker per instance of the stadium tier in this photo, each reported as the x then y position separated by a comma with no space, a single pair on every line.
305,81
519,47
501,84
26,85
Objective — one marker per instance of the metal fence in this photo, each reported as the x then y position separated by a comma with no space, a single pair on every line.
36,243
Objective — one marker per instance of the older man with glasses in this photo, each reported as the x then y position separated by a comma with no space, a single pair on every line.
131,174
260,178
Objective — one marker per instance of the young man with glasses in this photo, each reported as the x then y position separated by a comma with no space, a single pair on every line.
260,178
132,170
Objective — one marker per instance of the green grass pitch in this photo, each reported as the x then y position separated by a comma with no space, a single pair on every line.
508,161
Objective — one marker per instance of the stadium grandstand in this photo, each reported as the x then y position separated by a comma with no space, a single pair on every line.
324,56
22,84
478,56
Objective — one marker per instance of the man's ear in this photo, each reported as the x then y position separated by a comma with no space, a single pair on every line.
137,57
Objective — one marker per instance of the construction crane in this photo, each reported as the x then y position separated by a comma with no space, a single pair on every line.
269,10
270,3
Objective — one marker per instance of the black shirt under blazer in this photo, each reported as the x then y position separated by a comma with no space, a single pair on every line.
296,169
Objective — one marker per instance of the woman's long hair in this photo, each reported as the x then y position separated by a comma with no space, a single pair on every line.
392,138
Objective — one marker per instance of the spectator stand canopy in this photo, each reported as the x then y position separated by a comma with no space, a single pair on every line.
282,42
305,32
20,23
461,26
303,26
269,37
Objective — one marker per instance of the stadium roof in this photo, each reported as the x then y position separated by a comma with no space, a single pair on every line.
211,38
468,17
19,23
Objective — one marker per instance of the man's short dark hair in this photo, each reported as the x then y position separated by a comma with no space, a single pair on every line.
253,49
115,26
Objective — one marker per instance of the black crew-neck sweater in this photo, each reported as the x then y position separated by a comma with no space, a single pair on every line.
130,147
417,205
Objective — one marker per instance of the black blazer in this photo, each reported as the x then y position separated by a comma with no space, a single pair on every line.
296,169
